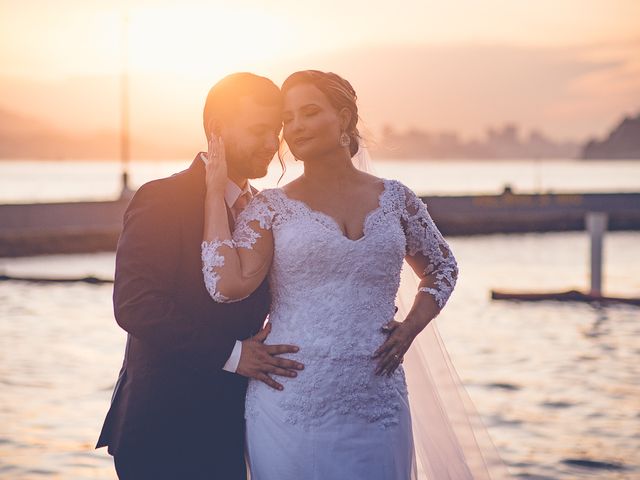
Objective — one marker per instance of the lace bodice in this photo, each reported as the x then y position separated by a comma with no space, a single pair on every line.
331,295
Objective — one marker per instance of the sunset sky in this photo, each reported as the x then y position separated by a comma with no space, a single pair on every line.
568,67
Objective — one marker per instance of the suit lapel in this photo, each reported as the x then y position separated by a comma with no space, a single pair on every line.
232,222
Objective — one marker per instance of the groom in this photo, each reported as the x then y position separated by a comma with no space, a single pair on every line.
177,411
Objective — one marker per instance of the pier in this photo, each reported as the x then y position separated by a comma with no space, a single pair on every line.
84,227
58,228
521,213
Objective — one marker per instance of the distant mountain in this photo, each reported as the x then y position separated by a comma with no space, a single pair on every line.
623,142
23,137
505,142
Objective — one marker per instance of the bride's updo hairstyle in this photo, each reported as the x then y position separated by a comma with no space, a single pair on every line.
338,91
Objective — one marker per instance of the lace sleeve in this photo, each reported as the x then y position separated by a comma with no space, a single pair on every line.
437,267
256,218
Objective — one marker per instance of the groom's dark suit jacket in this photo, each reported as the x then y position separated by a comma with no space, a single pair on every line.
172,393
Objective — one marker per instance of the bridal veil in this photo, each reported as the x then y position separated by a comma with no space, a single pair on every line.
451,442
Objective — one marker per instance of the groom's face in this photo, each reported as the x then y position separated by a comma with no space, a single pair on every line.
251,138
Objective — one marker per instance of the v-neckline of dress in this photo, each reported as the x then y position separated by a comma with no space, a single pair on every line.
332,222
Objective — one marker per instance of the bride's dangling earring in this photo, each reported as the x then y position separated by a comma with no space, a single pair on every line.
345,139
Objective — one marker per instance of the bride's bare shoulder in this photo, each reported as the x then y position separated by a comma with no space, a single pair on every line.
368,180
292,187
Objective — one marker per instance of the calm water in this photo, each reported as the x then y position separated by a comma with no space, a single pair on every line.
31,181
557,384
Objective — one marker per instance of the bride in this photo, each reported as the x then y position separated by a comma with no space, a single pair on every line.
332,243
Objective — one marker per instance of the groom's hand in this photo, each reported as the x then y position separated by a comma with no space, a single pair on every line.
259,361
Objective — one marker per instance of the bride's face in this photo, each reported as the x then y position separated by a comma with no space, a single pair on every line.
312,126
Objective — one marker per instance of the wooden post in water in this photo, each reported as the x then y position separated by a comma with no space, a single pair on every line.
596,225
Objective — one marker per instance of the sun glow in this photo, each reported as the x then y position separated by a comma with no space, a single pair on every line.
208,41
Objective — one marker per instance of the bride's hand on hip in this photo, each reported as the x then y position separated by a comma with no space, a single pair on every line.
391,353
216,166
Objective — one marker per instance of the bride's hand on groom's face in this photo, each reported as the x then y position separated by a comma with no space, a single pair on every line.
216,165
260,361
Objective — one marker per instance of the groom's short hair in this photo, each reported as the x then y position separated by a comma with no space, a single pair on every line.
224,97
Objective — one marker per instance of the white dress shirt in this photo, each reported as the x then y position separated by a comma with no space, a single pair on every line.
231,193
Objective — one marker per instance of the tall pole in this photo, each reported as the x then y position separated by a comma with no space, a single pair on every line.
124,107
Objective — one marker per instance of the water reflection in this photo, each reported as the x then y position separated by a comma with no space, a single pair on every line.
557,384
598,327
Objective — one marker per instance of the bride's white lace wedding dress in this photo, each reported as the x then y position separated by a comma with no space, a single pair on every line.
331,296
